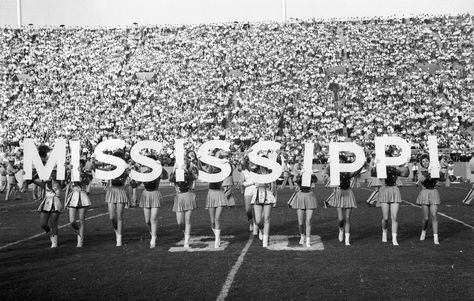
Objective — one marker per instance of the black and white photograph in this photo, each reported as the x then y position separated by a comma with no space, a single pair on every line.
236,150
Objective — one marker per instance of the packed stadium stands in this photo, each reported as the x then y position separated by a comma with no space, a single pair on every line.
317,81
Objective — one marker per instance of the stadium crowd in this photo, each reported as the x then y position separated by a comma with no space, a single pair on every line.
318,81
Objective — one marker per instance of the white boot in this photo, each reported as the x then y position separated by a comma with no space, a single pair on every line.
384,235
255,229
347,239
302,239
308,241
54,241
435,239
118,238
186,241
217,242
251,227
265,241
80,242
341,235
394,239
423,235
153,242
260,234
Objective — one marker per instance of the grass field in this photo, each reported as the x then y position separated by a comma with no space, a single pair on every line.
367,270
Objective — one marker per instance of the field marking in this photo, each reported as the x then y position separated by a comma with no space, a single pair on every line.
282,243
60,227
207,241
43,233
230,278
461,188
440,213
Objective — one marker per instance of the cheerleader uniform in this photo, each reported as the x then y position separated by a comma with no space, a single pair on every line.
303,199
115,192
151,196
51,202
263,195
185,199
77,196
216,197
3,179
429,195
389,191
343,195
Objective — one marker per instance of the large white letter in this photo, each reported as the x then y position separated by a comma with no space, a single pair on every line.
380,144
203,154
56,157
75,147
434,161
179,158
265,162
109,159
336,168
156,168
307,164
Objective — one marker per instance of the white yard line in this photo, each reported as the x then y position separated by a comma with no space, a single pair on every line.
440,213
60,227
230,278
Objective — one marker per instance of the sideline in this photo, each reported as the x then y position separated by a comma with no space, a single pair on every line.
230,278
439,213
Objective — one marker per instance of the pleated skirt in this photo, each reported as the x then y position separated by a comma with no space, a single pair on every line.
216,198
116,195
389,194
303,200
428,197
150,199
50,204
263,196
184,201
343,198
77,198
374,182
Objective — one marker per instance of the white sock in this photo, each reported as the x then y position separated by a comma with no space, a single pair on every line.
423,235
118,237
435,239
217,242
308,241
255,229
341,235
394,239
384,235
260,234
80,241
54,241
265,241
153,242
347,239
186,241
302,239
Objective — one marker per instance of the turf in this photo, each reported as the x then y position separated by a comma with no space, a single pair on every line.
367,270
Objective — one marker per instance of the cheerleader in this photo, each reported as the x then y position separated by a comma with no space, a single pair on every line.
150,201
185,200
389,199
344,200
216,200
304,201
77,200
286,173
263,200
249,190
50,206
428,198
117,199
12,185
